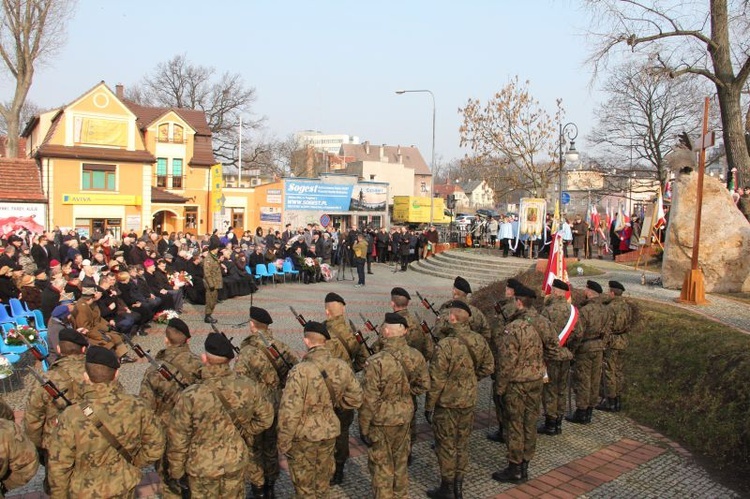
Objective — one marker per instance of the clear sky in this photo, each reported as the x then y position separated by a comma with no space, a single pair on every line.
332,65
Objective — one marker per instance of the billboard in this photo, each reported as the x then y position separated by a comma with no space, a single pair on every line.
26,216
303,195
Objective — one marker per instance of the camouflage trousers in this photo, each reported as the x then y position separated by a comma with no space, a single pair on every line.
162,470
226,486
212,297
452,429
387,461
264,458
413,425
311,467
521,404
341,452
497,401
587,375
612,373
556,389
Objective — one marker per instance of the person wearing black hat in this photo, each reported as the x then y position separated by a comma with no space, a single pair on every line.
477,320
587,344
87,316
563,317
519,381
107,418
415,337
212,279
451,400
259,359
614,378
316,390
66,373
343,345
392,380
224,412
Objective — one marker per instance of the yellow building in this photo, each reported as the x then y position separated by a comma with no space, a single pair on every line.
110,164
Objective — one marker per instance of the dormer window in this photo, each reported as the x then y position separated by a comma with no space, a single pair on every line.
164,132
171,132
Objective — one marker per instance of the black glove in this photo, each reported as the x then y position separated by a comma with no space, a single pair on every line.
366,440
178,485
428,416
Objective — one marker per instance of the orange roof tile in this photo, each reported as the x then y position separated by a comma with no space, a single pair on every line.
22,180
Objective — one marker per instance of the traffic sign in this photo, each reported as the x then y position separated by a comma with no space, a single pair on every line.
565,197
325,220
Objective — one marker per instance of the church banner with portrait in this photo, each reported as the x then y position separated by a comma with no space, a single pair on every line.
532,216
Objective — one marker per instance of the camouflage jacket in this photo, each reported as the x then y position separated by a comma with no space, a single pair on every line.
341,332
202,440
595,323
81,460
557,310
41,413
306,411
507,310
391,378
549,336
621,316
159,394
212,275
18,457
415,337
269,374
453,372
477,322
521,356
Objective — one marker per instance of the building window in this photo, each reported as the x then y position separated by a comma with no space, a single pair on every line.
191,217
177,134
161,172
238,218
177,174
98,177
163,132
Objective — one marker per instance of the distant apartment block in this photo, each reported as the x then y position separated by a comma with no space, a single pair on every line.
330,143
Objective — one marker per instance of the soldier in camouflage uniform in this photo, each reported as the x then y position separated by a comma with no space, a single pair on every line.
66,373
86,315
18,457
477,322
505,309
212,279
562,316
317,387
343,345
519,381
392,379
587,344
621,316
461,359
160,394
257,361
213,424
102,442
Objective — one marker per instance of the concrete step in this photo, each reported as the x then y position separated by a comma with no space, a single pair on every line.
477,281
479,269
481,261
488,271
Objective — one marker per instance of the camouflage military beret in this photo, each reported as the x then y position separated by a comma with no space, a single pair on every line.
102,356
594,286
459,304
334,297
260,315
400,292
72,336
524,291
557,283
462,284
179,325
318,328
393,318
616,285
219,345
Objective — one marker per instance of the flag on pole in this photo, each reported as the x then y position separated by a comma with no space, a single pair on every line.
620,221
595,218
569,326
556,266
588,216
659,218
557,221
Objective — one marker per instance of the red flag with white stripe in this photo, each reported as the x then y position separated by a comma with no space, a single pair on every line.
557,268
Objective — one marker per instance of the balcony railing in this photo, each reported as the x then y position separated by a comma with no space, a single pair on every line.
170,181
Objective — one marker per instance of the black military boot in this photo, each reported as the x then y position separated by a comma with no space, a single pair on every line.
338,475
578,417
558,425
548,427
511,474
269,488
208,319
458,487
445,491
258,492
607,404
589,414
524,471
497,436
618,407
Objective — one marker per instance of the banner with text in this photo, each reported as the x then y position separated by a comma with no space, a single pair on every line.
332,198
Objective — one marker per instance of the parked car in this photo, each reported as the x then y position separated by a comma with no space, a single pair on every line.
487,213
464,221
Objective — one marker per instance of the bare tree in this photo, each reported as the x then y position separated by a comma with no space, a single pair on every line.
224,98
685,38
28,111
516,135
30,32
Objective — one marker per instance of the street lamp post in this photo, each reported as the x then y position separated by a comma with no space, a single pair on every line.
432,161
569,130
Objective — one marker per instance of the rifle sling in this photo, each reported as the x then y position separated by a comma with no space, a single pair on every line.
277,368
89,413
327,381
403,368
231,413
471,352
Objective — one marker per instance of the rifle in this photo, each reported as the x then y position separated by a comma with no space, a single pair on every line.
427,304
361,338
275,352
369,325
299,317
499,309
50,388
38,355
426,329
236,349
160,368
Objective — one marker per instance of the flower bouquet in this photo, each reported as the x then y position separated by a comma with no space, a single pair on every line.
180,279
310,264
6,368
326,272
279,264
13,338
164,316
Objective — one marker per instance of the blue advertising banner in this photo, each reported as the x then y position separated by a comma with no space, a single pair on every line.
302,195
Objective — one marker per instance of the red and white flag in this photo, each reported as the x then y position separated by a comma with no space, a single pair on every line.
556,266
660,218
569,326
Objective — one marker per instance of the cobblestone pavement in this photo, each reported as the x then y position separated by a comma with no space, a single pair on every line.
612,457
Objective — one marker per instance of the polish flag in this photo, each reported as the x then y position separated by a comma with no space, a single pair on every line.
660,218
556,266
